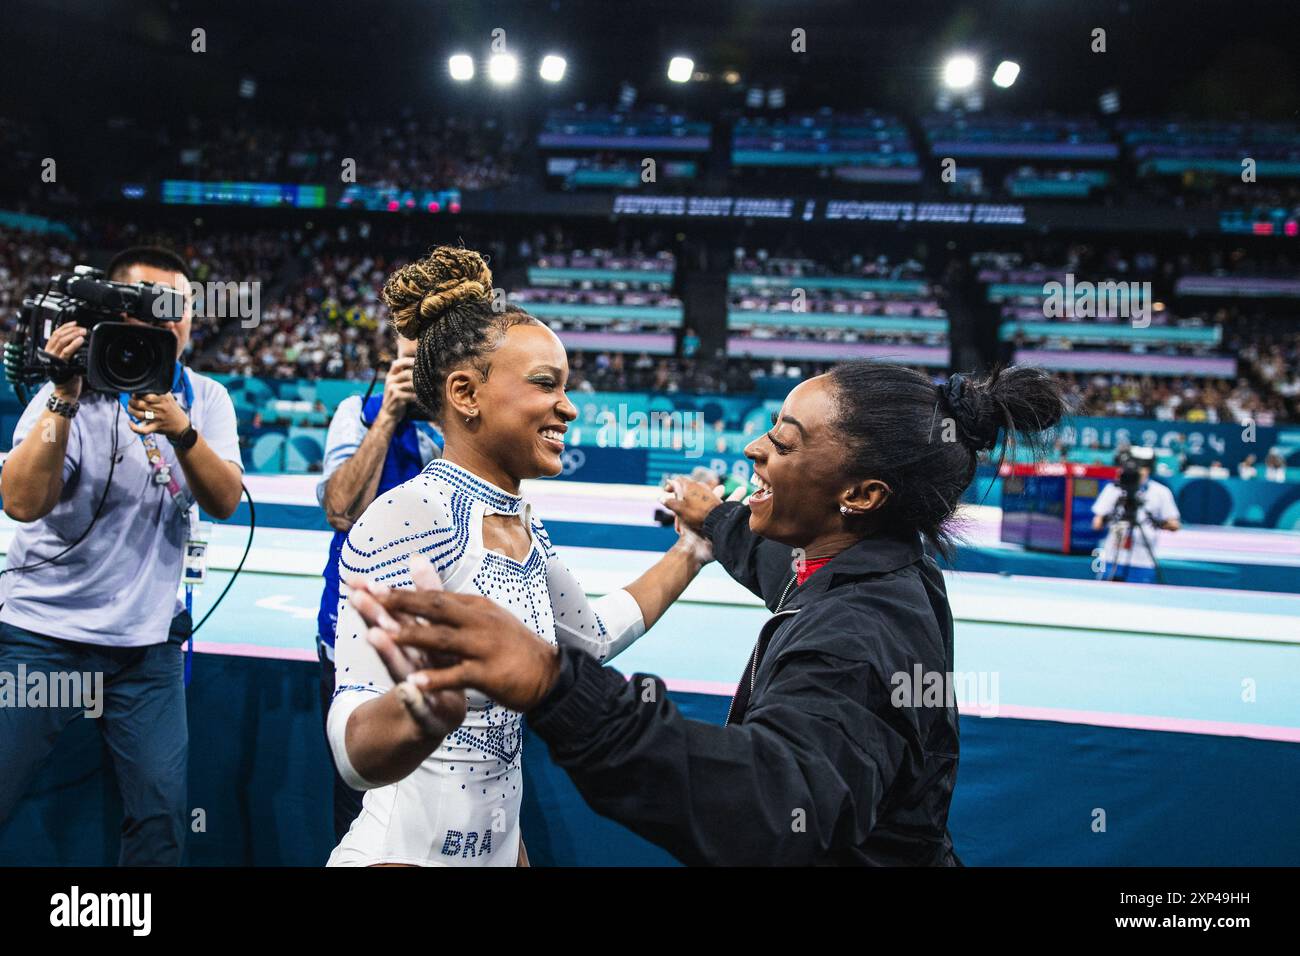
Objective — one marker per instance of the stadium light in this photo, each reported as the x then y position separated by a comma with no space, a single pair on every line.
461,67
681,69
1006,73
959,72
503,68
552,68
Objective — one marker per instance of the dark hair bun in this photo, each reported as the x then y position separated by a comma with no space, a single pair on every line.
1023,400
421,293
895,427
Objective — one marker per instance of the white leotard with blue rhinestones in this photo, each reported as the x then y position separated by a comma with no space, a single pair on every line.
460,807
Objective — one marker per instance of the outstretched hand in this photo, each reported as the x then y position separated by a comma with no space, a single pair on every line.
445,708
691,502
445,643
691,541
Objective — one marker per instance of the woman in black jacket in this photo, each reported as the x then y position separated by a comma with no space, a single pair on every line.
841,745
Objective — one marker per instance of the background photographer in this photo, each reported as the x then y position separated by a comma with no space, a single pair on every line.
1128,553
374,443
92,574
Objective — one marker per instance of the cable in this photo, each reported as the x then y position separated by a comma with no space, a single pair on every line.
374,378
252,525
108,484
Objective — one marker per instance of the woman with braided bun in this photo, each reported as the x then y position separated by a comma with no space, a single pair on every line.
841,744
441,770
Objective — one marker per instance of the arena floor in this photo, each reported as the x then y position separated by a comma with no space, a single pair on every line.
1166,671
1140,656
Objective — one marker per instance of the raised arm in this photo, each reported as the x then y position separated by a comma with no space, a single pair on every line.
353,466
605,627
762,566
35,471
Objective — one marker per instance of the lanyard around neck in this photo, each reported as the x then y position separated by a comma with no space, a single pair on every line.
162,472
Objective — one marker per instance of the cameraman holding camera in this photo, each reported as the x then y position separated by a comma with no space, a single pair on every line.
105,484
374,444
1135,515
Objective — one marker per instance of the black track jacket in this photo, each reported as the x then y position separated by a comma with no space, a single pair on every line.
835,757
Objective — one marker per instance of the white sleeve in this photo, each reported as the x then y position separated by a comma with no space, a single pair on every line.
218,424
397,525
1161,505
602,628
1106,500
346,432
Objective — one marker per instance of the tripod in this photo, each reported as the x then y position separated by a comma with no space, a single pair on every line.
1123,521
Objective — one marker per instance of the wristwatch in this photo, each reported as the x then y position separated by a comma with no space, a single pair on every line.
60,407
186,439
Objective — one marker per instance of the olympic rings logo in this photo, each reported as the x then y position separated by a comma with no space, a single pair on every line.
572,460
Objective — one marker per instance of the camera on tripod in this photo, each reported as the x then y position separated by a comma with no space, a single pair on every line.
118,356
1131,462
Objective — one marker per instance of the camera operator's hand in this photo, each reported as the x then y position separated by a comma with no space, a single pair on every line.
399,388
158,413
63,344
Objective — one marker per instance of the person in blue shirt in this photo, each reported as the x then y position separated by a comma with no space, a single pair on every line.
373,444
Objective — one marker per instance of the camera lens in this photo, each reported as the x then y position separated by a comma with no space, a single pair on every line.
130,358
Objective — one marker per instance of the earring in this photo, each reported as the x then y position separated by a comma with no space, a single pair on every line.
844,509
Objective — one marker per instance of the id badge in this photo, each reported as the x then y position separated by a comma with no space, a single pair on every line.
196,562
195,570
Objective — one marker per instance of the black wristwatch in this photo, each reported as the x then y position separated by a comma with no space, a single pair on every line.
186,439
61,407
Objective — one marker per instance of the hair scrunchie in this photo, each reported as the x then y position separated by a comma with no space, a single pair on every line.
978,432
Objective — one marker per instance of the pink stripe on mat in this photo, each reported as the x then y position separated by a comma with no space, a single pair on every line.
1176,725
255,650
1094,718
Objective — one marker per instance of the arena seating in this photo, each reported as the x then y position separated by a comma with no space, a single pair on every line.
797,309
597,300
594,147
866,147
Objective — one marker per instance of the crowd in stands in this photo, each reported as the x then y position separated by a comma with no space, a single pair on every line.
26,259
324,327
847,264
1275,358
325,318
779,304
1160,161
1196,400
321,316
609,291
407,152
